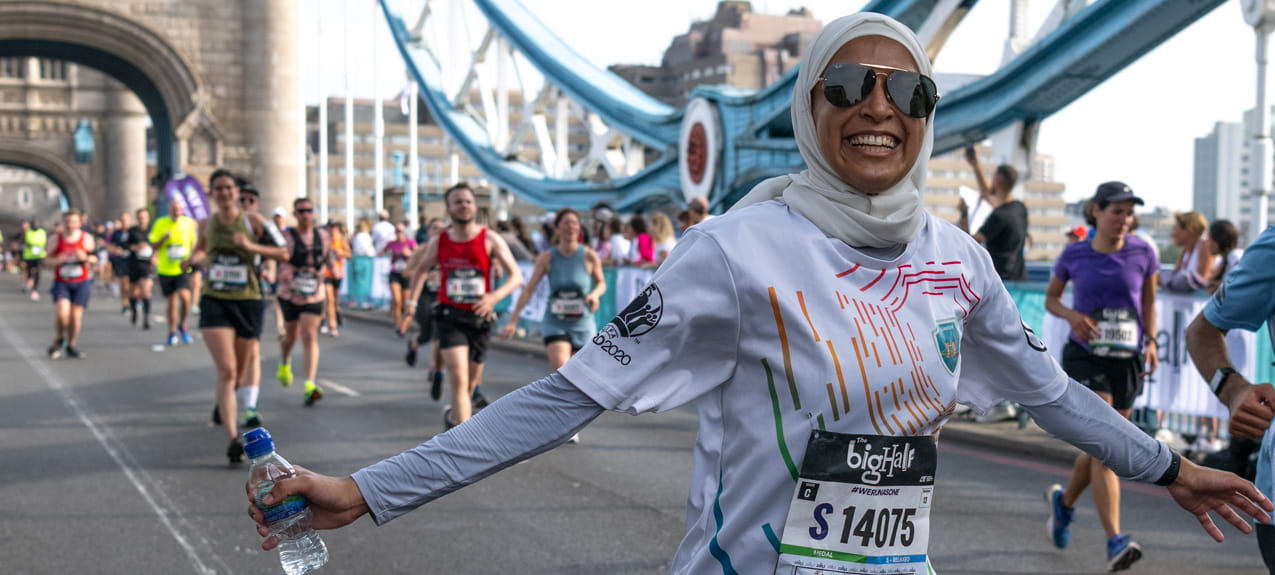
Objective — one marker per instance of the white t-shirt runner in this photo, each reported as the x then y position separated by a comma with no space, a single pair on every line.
774,330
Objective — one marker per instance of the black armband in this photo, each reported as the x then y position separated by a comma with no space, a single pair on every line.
1171,474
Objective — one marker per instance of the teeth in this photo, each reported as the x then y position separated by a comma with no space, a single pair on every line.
874,140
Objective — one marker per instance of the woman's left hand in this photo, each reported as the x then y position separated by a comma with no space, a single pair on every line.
1200,490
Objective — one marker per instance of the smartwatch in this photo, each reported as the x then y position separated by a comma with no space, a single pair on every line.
1219,379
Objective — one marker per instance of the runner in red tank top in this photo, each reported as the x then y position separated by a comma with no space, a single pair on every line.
465,253
72,253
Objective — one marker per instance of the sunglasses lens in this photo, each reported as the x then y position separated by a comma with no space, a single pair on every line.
305,211
914,94
846,84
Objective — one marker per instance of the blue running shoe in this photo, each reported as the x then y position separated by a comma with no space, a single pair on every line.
1059,523
1122,552
172,340
185,335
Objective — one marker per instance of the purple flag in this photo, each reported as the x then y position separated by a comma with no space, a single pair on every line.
188,191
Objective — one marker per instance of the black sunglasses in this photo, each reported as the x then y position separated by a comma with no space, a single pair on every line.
305,210
846,84
247,200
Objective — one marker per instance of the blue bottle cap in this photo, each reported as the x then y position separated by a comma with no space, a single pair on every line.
257,443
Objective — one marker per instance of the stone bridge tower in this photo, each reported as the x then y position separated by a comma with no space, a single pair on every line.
218,79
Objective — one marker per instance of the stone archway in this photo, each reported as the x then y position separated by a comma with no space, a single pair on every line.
63,173
161,76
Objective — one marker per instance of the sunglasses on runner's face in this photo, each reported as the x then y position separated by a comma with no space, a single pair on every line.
305,211
247,200
846,84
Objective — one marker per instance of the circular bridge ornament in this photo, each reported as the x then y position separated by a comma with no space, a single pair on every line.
699,148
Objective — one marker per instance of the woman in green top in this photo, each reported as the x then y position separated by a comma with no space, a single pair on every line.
231,304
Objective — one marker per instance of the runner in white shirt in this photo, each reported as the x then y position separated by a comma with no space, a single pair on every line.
831,367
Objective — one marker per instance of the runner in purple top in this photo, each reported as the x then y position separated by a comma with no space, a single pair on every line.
1113,305
399,249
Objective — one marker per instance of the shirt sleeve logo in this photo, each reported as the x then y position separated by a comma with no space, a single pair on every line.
947,338
642,314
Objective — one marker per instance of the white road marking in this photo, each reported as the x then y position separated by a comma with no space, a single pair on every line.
151,491
338,387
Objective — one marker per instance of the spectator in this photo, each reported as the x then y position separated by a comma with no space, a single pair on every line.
1004,232
663,237
1195,264
382,232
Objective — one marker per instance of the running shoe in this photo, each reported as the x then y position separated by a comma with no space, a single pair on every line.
478,400
35,295
410,358
1122,552
447,419
55,350
1059,523
284,374
574,439
235,450
133,309
216,415
313,393
172,340
185,335
323,327
251,418
74,352
436,385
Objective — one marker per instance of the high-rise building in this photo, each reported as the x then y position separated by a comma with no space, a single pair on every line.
1221,158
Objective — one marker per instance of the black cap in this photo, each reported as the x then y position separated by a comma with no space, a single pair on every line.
247,188
1112,192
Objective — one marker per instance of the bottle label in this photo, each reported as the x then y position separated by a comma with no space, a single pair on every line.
293,505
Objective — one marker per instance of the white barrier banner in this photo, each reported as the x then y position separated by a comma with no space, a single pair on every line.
535,310
628,283
1175,386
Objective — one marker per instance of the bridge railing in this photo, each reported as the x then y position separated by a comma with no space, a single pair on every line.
1174,397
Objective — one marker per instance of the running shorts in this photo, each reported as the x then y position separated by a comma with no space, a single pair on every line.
1117,377
33,265
400,279
168,285
292,312
139,270
457,327
242,315
77,292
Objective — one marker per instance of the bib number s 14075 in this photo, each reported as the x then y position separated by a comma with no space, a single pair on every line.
861,506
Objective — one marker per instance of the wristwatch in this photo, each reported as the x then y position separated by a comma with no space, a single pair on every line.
1219,379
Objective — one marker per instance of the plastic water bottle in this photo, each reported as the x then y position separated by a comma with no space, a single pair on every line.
300,548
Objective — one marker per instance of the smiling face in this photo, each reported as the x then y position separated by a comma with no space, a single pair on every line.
871,146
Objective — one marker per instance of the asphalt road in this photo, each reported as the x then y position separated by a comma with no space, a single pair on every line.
109,465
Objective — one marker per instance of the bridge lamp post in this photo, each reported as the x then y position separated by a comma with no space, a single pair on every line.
1260,14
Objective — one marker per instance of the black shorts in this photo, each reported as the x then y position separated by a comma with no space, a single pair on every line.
120,267
400,279
334,282
292,312
168,285
139,270
1117,377
562,337
457,327
33,265
242,315
1266,544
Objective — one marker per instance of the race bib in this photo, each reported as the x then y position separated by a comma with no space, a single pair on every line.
568,304
176,252
1117,332
71,271
305,283
228,273
466,285
144,252
37,250
398,266
861,507
432,281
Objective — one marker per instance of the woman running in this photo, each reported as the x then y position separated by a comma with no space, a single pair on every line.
231,304
399,249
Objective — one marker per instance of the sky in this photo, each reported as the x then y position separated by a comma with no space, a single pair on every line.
1139,126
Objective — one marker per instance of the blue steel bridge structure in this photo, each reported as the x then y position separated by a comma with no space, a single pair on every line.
642,152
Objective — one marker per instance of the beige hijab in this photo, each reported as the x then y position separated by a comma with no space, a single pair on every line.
886,219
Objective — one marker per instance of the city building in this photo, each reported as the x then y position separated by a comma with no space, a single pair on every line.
1221,160
737,47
